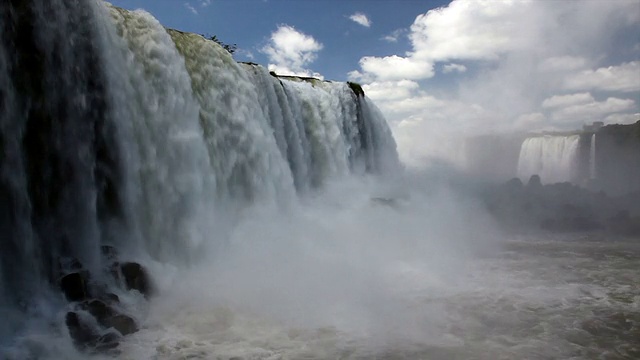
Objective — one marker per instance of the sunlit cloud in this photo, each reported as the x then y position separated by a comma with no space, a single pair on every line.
361,19
290,52
528,65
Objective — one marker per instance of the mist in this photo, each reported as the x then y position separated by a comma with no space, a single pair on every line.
349,260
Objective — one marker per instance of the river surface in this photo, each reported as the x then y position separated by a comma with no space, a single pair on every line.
537,297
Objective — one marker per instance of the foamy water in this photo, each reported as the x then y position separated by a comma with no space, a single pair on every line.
400,293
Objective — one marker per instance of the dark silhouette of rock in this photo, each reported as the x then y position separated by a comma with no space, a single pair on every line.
85,337
98,309
107,341
108,317
123,323
534,183
111,297
136,278
74,285
82,334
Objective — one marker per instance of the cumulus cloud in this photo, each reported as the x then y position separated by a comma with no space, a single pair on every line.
396,68
361,19
205,3
567,100
290,51
449,68
593,110
529,65
623,78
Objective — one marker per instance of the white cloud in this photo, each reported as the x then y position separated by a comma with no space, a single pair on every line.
449,68
361,19
191,8
396,68
527,66
594,110
567,100
205,3
622,118
391,90
469,30
291,51
624,78
394,35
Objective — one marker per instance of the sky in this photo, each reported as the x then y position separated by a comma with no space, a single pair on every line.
442,70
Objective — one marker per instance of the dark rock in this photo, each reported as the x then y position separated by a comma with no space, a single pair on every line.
534,183
515,184
111,297
98,309
107,341
356,88
123,323
85,337
81,333
74,285
136,278
109,317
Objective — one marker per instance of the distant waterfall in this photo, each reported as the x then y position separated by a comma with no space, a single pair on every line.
592,158
553,158
114,130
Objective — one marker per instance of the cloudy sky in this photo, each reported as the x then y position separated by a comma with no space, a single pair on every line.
442,69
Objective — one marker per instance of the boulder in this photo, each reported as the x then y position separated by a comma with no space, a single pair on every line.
82,334
98,309
108,341
109,317
136,278
74,285
85,337
123,323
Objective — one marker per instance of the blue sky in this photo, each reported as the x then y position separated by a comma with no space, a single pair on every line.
440,70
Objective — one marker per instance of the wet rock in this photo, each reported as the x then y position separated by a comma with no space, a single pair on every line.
107,341
98,309
111,297
123,323
82,334
136,278
74,285
109,317
85,337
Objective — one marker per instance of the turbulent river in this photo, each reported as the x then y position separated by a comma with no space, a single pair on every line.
574,297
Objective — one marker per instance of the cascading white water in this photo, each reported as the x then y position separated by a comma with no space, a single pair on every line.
116,131
592,158
551,157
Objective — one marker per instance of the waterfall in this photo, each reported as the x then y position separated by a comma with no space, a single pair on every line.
115,130
553,158
592,158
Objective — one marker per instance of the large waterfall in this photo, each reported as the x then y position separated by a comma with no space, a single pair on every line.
551,157
115,130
